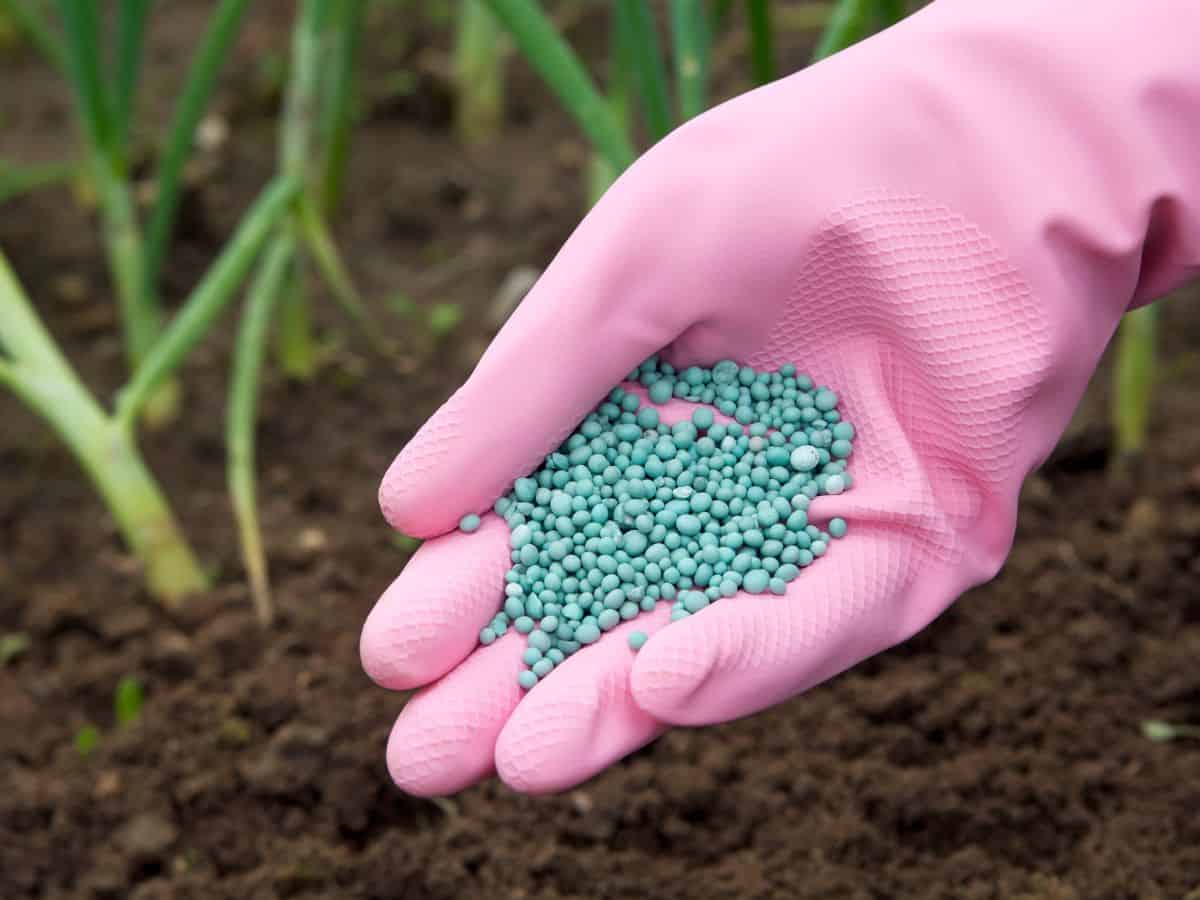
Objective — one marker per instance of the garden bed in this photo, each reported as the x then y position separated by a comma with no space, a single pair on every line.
998,755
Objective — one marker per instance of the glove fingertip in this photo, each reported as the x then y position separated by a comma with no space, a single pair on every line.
668,672
429,617
415,495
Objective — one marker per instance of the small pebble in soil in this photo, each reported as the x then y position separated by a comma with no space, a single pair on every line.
631,511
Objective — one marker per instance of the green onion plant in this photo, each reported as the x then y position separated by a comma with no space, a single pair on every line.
104,87
1160,732
480,51
104,439
128,700
1134,374
279,239
314,129
638,72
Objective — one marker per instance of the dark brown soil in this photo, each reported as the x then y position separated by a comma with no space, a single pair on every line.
998,755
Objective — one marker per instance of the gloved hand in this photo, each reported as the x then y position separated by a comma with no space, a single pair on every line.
943,223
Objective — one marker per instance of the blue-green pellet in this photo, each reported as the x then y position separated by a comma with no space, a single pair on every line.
635,543
805,458
587,633
837,527
756,581
543,667
520,537
661,391
527,679
469,523
798,520
637,640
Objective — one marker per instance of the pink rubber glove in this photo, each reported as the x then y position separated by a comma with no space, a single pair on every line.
945,224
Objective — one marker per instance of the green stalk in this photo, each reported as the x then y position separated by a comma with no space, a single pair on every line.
198,87
1133,380
851,21
297,349
324,252
1160,732
636,20
300,104
762,50
141,320
601,173
17,180
28,16
689,33
339,111
131,29
84,72
123,243
552,58
140,316
478,74
242,413
889,12
210,296
39,374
